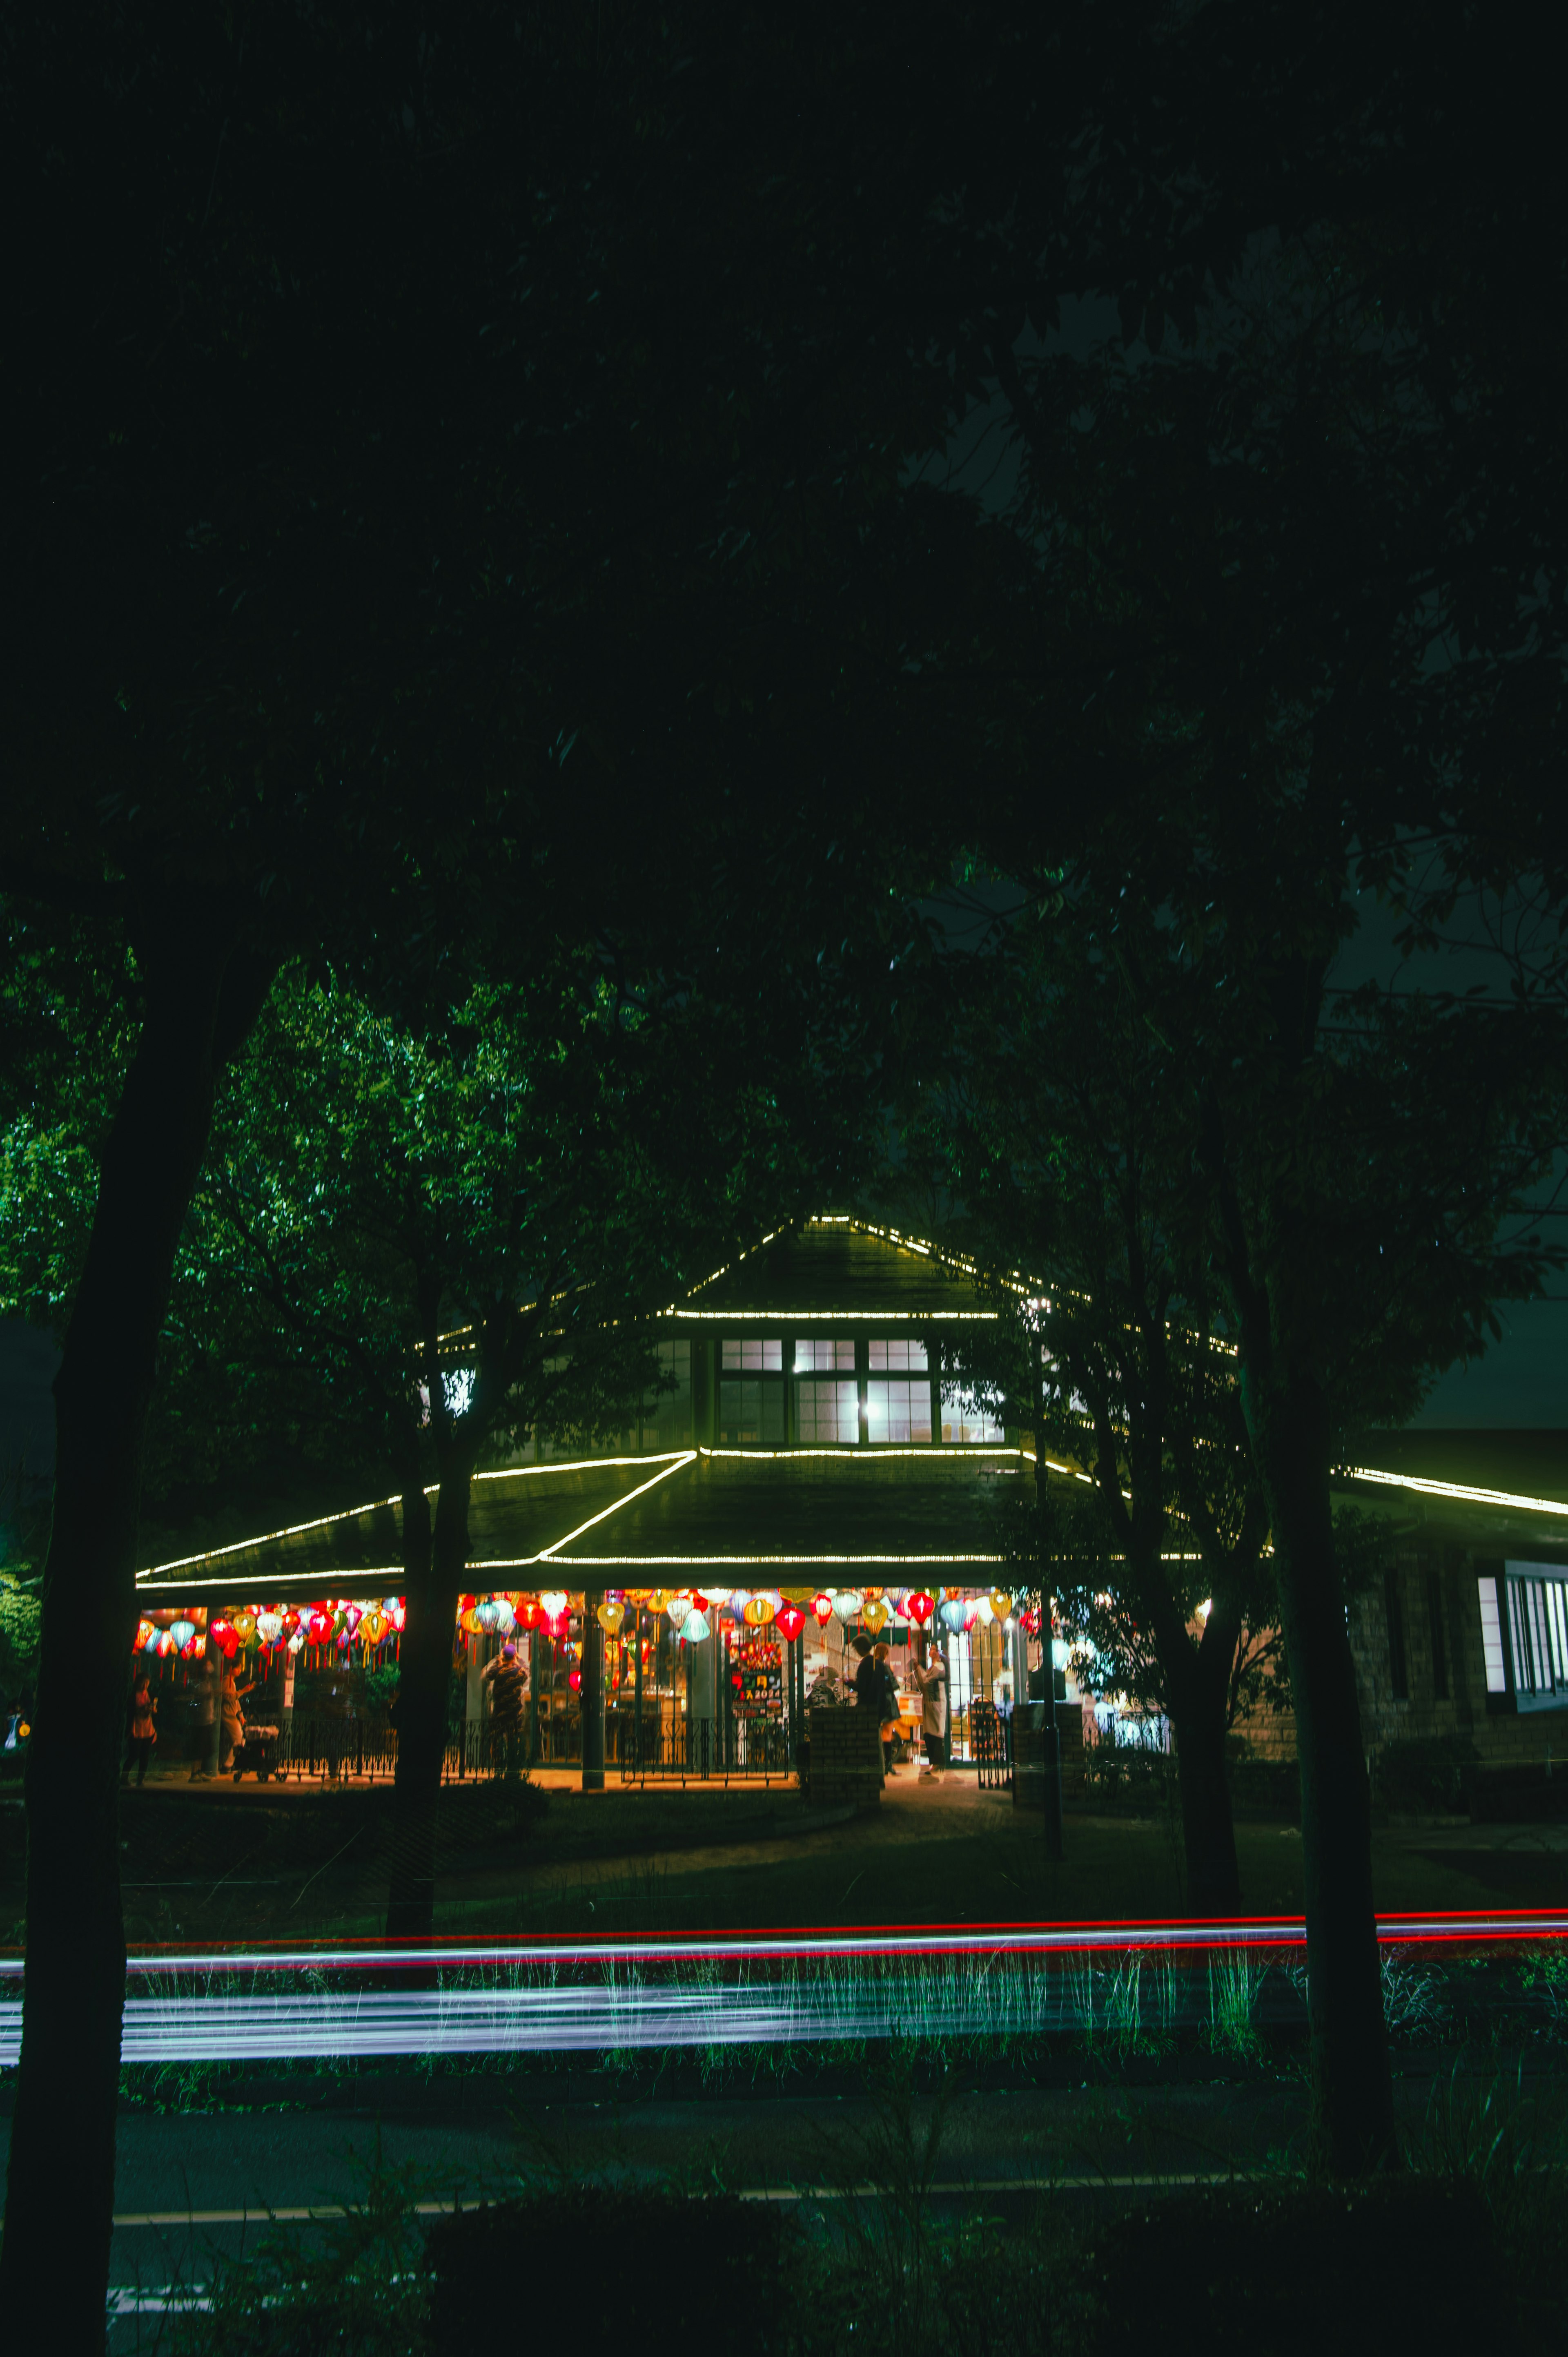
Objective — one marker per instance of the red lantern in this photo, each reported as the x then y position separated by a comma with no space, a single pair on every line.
821,1610
920,1606
290,1621
530,1612
789,1621
225,1638
318,1627
574,1679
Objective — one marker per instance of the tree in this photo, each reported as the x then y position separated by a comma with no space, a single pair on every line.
1067,1160
462,1236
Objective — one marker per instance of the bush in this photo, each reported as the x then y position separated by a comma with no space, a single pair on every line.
680,2271
1228,2271
1433,1773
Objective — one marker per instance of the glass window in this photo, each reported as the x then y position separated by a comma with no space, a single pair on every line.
747,1351
898,1358
822,1352
966,1419
1492,1637
898,1411
828,1414
751,1415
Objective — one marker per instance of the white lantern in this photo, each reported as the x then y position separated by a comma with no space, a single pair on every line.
553,1604
679,1609
269,1628
694,1627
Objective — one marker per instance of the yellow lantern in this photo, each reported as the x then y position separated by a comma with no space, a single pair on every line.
658,1598
1002,1604
245,1625
873,1595
797,1595
758,1610
469,1622
611,1615
875,1614
373,1626
639,1595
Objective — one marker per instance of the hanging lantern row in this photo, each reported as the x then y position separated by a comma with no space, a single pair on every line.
691,1614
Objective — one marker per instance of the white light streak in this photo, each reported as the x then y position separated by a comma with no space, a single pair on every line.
1459,1490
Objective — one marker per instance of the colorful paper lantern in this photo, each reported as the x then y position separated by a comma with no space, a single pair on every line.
796,1594
679,1611
487,1616
554,1603
1002,1604
269,1627
530,1613
982,1611
144,1633
821,1609
609,1616
758,1610
349,1619
694,1628
875,1613
953,1616
574,1679
291,1621
847,1603
182,1631
736,1603
225,1638
373,1627
317,1627
789,1620
245,1625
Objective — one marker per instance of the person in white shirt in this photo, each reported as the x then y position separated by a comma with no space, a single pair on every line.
931,1677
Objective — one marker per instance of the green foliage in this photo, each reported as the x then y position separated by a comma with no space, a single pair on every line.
21,1615
357,2285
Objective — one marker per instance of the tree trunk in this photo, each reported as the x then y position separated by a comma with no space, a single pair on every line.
60,2194
1352,2088
1208,1832
435,1586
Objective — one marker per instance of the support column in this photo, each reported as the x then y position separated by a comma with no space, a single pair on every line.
592,1693
636,1616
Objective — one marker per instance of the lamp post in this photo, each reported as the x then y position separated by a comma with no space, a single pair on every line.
592,1696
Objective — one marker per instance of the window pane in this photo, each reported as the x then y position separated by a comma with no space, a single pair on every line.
1518,1631
967,1422
1492,1637
898,1411
828,1414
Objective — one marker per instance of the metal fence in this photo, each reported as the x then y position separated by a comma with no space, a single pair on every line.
690,1751
991,1745
334,1749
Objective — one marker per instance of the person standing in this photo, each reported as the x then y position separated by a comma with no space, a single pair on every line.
887,1704
931,1677
508,1682
142,1729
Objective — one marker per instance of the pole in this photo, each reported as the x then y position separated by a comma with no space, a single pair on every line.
593,1694
1051,1758
637,1688
532,1698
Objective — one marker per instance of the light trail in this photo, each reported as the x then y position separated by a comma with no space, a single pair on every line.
822,1945
608,2002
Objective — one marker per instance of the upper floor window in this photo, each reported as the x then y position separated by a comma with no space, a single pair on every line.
898,1358
766,1358
825,1354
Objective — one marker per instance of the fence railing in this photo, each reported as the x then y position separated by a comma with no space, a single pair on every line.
991,1745
331,1751
696,1750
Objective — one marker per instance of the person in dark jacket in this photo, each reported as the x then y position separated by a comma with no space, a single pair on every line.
867,1676
508,1682
887,1709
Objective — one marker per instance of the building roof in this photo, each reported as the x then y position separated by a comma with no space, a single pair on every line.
594,1525
825,1267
